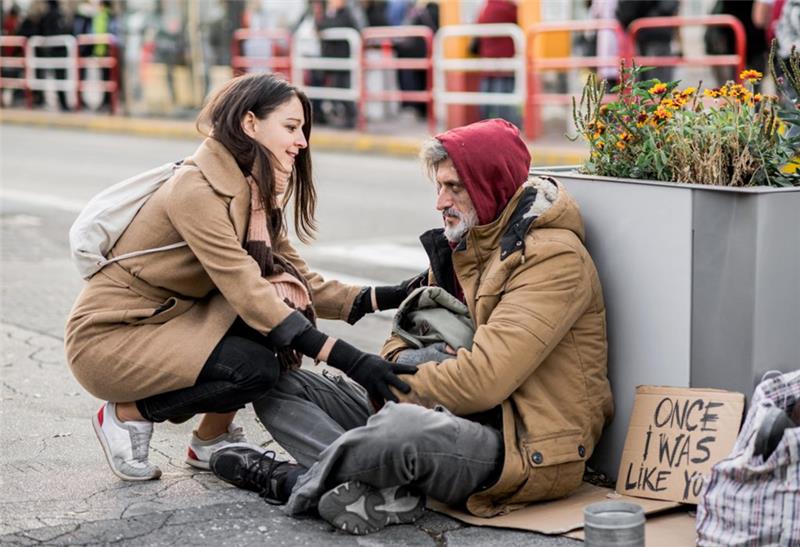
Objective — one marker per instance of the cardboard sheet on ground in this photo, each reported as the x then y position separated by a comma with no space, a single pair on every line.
675,436
671,529
553,517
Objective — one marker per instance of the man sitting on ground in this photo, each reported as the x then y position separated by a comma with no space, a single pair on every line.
510,420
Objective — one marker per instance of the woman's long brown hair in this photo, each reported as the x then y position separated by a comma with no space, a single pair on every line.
261,94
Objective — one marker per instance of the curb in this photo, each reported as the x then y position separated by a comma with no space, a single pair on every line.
324,139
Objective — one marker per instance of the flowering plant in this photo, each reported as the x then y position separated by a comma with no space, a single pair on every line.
728,136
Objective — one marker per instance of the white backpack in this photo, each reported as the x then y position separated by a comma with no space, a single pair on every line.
108,214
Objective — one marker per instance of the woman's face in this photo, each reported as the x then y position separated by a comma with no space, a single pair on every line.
281,132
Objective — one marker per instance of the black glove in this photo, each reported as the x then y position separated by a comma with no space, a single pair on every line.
372,372
390,297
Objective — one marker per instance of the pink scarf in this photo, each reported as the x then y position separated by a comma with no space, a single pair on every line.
290,285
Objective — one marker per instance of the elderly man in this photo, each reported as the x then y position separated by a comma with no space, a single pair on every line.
508,421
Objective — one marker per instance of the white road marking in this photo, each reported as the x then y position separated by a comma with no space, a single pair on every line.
43,200
383,254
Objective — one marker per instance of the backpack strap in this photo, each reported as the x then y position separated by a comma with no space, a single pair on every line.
103,263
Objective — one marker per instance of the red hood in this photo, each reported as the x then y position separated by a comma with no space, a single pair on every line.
492,162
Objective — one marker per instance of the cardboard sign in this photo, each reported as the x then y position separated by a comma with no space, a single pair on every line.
674,438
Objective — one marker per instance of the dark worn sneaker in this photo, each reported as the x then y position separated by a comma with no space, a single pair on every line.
255,470
361,509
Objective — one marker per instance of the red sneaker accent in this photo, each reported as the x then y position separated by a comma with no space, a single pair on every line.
192,455
100,414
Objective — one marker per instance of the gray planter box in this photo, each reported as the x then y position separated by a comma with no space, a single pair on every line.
701,283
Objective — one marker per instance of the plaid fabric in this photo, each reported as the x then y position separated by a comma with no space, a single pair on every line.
749,501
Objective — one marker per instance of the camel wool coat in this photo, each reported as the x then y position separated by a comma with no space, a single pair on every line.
147,325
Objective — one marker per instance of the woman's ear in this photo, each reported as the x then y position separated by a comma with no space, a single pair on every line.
249,124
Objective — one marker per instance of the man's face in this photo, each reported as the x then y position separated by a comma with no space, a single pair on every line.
452,199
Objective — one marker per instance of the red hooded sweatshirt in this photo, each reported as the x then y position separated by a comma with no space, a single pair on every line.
492,162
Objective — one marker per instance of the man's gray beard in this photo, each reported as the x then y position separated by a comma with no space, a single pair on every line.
457,232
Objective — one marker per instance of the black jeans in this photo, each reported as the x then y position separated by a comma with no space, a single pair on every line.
241,369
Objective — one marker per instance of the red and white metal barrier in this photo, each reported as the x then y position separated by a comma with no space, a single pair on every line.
108,62
442,65
385,35
537,65
350,64
737,59
37,61
279,42
12,56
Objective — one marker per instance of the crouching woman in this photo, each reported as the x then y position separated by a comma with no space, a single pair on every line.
210,326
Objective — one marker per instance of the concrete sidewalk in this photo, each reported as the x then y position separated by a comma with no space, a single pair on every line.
401,137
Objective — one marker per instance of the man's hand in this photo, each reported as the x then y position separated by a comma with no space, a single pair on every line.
435,352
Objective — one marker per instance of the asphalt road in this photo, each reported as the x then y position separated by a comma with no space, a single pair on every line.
55,487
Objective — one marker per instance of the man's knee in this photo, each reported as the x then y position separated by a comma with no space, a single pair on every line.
406,425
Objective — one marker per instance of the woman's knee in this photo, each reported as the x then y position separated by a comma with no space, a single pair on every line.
249,364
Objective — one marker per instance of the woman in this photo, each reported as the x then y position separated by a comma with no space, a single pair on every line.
209,327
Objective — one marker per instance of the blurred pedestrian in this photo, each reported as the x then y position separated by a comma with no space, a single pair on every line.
491,47
337,14
423,13
719,40
213,325
607,45
786,17
11,22
656,42
54,24
375,12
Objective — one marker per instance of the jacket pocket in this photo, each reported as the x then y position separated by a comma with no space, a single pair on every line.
555,465
554,449
171,308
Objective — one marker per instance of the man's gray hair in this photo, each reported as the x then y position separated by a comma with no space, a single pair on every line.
432,154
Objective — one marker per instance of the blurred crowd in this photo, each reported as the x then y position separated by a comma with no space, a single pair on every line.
183,48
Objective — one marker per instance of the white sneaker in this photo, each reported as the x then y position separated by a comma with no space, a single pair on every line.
199,452
125,444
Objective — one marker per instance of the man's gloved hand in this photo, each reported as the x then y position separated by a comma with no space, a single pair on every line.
435,352
372,372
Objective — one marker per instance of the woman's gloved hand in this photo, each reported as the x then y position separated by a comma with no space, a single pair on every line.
386,297
372,372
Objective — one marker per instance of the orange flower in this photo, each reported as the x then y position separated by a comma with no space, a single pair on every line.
620,145
625,136
658,89
750,75
662,114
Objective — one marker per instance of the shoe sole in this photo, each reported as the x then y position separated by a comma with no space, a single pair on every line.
102,438
358,509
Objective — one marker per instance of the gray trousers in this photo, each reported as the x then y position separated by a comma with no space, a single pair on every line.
327,425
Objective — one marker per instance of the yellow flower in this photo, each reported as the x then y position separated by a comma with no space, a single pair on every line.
668,103
713,93
625,136
750,75
662,114
658,89
688,92
599,145
738,92
723,91
620,145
